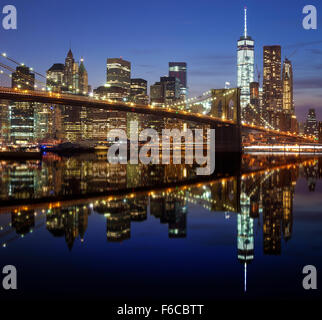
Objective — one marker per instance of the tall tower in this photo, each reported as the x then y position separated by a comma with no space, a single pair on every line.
245,66
287,79
83,78
69,71
179,70
272,84
119,73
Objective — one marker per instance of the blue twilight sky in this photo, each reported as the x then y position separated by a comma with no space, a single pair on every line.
203,33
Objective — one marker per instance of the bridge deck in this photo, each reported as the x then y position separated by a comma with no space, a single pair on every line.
107,104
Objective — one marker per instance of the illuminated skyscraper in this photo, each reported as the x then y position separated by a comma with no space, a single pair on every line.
156,94
69,72
55,77
167,91
83,78
119,73
21,114
245,65
287,78
139,91
311,125
272,84
179,71
171,89
118,80
23,78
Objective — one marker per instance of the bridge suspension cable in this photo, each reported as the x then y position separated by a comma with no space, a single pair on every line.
24,76
22,64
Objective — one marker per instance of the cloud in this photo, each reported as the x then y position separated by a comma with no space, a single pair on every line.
202,73
148,66
139,51
302,44
315,51
219,59
312,83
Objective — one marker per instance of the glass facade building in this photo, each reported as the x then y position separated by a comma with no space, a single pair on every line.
179,71
245,65
287,79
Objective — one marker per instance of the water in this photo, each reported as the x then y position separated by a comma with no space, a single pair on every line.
80,228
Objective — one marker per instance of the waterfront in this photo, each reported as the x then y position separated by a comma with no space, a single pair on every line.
153,233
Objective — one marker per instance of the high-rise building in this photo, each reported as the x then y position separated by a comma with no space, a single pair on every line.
4,121
23,78
254,94
156,94
83,78
311,125
139,91
165,92
69,71
119,73
287,79
252,112
320,132
272,84
171,89
44,121
21,122
245,65
76,78
21,114
179,71
55,77
118,80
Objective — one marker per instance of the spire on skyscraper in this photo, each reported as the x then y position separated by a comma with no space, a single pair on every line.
245,64
245,26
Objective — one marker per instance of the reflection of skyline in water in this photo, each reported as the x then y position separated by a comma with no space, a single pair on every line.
264,199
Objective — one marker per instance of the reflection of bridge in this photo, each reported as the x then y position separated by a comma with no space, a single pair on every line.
228,128
217,195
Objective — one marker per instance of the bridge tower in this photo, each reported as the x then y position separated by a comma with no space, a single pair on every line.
226,105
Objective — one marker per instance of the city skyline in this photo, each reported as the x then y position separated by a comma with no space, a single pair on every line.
208,67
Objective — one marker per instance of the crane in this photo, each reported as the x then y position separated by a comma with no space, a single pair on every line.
258,74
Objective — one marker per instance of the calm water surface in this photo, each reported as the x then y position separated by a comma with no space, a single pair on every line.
80,228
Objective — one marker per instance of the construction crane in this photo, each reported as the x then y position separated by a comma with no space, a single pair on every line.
258,74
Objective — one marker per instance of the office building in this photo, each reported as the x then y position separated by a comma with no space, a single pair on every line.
165,92
245,66
156,95
21,114
272,84
69,70
179,71
287,80
23,78
55,77
311,124
138,92
118,74
83,79
4,121
171,89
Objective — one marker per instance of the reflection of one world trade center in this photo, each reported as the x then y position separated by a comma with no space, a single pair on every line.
245,237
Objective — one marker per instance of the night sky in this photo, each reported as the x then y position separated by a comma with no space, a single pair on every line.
151,33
